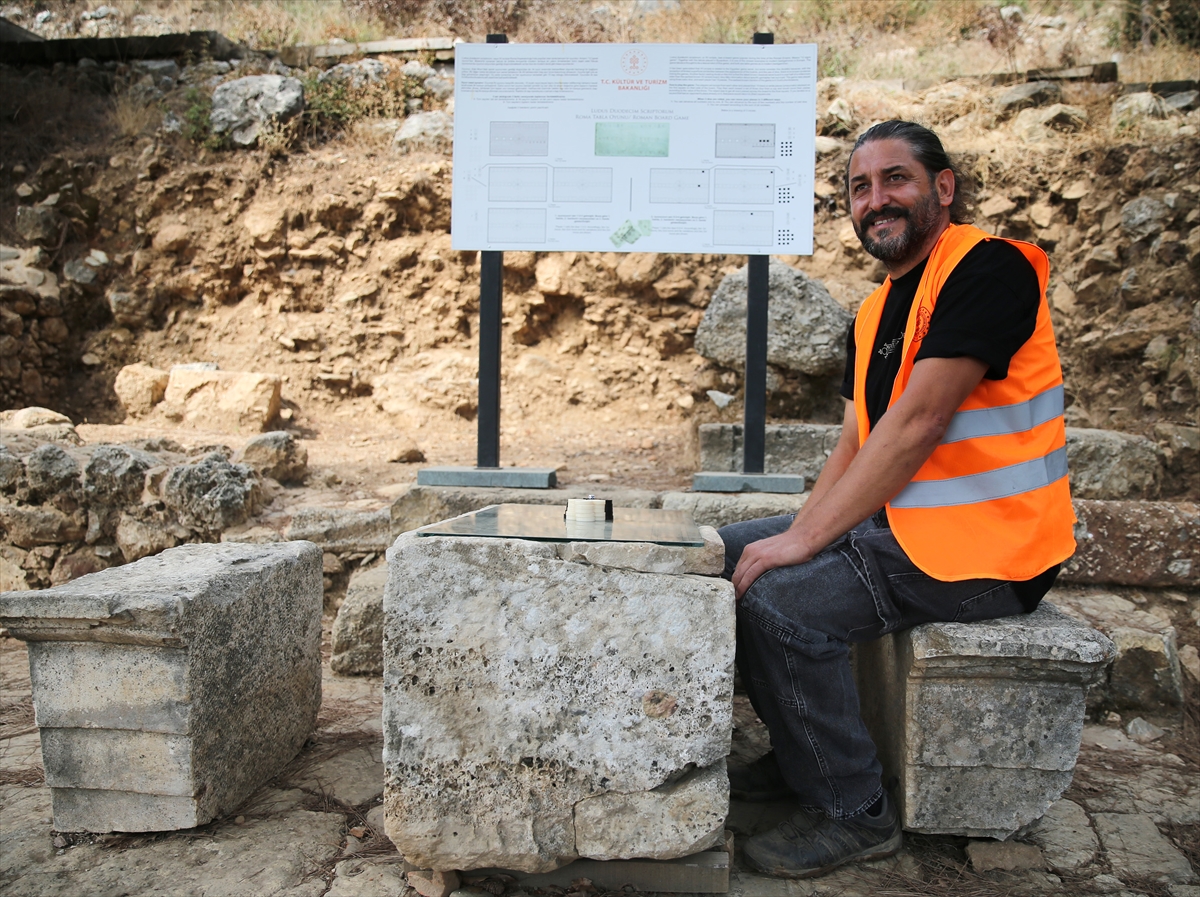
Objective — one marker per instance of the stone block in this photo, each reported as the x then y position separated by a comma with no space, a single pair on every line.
168,690
1134,845
227,401
1066,837
358,628
721,509
980,722
1112,465
1145,675
423,505
1135,543
788,448
519,686
277,455
343,529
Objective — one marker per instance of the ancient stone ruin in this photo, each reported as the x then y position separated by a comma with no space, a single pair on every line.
168,690
544,702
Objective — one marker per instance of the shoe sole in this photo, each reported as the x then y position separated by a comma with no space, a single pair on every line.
878,852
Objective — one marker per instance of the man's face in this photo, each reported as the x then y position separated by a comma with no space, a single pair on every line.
895,206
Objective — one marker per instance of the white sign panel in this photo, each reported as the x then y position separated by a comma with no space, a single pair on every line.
634,147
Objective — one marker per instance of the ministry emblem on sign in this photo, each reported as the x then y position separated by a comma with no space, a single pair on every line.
634,62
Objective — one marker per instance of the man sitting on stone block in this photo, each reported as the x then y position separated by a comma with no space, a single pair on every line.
946,498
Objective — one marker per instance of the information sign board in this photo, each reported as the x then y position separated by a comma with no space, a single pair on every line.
634,147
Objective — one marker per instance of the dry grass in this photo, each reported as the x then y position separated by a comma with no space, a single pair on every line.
16,718
133,116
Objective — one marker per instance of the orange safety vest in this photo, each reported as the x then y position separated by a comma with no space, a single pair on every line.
992,501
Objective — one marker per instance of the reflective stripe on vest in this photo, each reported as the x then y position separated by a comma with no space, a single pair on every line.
1005,419
987,486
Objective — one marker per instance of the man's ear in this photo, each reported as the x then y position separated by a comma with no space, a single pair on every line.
945,187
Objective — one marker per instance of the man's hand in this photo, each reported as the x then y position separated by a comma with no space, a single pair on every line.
784,550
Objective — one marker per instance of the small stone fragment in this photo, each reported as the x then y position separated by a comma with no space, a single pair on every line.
429,883
1143,732
1005,856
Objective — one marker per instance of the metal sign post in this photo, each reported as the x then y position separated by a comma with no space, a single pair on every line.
753,477
487,470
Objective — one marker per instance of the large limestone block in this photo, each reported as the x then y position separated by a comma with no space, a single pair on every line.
520,685
139,387
228,401
1135,543
168,690
789,448
980,722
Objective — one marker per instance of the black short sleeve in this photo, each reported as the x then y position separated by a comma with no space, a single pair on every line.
987,308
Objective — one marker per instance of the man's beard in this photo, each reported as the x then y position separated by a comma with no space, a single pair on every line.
922,219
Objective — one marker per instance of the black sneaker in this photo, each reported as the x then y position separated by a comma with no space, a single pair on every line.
799,849
761,780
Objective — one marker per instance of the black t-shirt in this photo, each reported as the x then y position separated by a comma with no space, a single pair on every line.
987,309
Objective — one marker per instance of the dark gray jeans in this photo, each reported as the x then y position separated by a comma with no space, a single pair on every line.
794,629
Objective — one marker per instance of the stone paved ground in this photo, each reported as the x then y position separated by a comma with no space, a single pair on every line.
1130,824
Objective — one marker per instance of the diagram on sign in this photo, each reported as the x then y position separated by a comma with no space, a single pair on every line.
657,148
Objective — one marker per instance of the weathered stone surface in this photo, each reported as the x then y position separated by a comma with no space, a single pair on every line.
196,648
1144,216
355,74
1005,856
422,505
277,455
140,387
429,883
806,330
242,106
584,681
137,538
212,494
425,131
1135,846
12,471
1146,674
718,509
30,525
1136,543
343,529
279,855
649,558
1066,837
1029,95
678,819
789,448
362,878
352,776
1134,108
116,474
39,224
357,642
229,401
981,722
50,472
1112,465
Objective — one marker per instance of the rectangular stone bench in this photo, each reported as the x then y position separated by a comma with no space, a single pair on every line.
980,722
545,702
166,691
